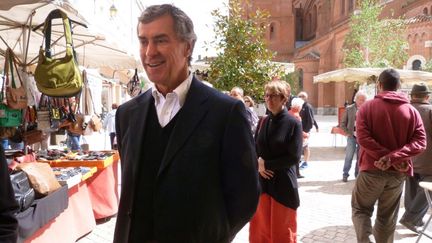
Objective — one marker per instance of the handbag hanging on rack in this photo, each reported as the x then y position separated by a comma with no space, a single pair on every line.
8,117
95,122
134,85
59,77
16,97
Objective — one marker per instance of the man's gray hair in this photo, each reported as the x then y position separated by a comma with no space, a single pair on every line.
360,93
183,25
239,90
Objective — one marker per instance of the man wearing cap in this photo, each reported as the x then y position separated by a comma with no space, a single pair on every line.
416,204
390,131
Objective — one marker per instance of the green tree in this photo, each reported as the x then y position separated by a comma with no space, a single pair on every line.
428,66
293,79
372,42
243,58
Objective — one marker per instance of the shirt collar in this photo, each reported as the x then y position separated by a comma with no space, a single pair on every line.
181,90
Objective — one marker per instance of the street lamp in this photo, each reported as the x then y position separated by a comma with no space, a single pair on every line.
113,11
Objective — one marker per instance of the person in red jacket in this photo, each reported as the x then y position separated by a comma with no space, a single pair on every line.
390,131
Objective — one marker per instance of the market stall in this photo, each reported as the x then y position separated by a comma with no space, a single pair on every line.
21,25
102,185
87,180
72,211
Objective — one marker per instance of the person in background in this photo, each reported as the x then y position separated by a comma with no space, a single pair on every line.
296,106
109,124
238,93
189,171
279,144
390,131
415,201
290,97
308,121
254,117
73,140
8,205
348,125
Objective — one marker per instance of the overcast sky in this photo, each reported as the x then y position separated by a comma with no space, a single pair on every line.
200,13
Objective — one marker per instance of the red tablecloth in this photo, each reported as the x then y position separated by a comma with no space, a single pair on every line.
76,221
102,187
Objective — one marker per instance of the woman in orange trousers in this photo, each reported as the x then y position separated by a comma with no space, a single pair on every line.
279,144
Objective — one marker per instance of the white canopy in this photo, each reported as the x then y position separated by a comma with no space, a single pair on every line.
17,18
365,75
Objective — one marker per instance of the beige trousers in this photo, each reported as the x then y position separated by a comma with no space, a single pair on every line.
384,187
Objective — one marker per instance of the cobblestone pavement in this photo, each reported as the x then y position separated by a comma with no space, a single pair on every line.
324,215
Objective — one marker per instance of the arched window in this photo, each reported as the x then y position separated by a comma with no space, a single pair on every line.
315,18
342,6
423,37
351,5
425,11
310,23
300,79
272,31
416,65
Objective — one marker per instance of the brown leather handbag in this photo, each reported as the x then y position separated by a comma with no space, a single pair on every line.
41,177
16,97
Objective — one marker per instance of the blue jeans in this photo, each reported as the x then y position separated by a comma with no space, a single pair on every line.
73,142
351,148
5,143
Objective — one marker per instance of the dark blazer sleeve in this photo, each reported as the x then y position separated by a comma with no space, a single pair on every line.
8,205
292,153
239,174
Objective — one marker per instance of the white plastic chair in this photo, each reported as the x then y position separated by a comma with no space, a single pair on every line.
427,186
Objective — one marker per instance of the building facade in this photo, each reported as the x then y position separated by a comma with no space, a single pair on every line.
310,33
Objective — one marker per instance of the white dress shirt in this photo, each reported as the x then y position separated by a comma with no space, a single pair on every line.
167,107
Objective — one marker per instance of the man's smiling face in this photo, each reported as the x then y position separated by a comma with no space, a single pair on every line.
163,55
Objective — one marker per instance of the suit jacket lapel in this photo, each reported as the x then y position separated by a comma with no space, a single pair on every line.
190,115
137,123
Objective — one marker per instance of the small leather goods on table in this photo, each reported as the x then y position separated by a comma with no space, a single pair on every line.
99,159
71,176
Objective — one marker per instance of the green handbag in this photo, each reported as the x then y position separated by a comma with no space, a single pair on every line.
8,117
59,77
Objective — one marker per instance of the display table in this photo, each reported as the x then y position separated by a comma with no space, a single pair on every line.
102,186
74,222
95,197
100,164
103,191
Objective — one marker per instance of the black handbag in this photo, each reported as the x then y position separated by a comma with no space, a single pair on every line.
24,193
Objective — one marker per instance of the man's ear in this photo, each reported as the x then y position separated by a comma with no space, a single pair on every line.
188,49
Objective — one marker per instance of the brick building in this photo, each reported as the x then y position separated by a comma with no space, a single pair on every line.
310,34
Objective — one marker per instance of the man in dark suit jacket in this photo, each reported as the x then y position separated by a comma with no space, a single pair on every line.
188,161
8,205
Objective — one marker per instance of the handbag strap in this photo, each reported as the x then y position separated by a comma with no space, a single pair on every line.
12,65
5,77
55,14
43,101
91,98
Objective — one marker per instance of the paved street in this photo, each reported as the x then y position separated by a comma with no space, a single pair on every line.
324,214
